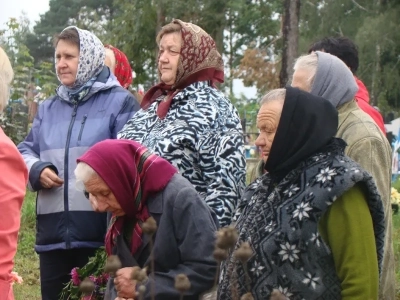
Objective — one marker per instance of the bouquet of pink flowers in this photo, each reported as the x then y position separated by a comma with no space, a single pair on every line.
94,270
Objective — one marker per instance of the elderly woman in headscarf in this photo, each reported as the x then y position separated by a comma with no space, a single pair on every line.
13,179
312,227
125,179
327,76
189,122
119,65
89,106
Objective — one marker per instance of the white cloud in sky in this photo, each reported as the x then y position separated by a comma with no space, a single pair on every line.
13,9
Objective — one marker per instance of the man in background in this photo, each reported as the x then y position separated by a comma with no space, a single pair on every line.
345,49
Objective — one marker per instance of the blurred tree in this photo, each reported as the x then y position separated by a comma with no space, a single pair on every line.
256,69
251,35
290,37
373,25
88,14
14,121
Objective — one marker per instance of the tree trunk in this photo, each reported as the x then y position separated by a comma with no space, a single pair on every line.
290,35
230,55
216,22
160,23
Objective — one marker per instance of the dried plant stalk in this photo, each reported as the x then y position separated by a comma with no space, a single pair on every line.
277,295
113,264
182,284
149,227
87,287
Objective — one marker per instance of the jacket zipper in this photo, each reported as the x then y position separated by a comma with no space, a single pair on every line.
66,171
82,125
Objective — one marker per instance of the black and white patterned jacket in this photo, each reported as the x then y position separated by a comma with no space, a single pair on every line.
201,136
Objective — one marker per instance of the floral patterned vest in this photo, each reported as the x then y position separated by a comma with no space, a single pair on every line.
281,224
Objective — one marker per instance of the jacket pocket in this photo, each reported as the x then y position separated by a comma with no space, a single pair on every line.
82,126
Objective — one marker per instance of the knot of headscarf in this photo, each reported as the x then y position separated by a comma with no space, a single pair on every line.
333,80
123,70
199,61
133,174
91,61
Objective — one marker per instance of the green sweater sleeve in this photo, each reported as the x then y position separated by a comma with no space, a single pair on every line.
348,230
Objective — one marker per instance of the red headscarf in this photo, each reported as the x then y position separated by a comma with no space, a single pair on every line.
199,61
123,70
133,174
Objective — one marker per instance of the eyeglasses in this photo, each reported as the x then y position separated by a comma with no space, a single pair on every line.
86,193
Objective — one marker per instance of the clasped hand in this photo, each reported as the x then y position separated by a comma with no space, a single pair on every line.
125,286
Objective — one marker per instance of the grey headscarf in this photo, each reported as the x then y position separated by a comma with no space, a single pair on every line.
333,80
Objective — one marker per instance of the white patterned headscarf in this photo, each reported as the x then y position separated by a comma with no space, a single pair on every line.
91,57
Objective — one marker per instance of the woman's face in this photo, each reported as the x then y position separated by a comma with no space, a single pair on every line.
170,49
67,60
101,197
267,123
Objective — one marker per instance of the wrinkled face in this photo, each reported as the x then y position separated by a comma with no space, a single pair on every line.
267,123
67,60
170,49
101,197
300,80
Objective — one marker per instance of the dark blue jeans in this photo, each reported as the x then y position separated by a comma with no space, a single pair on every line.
55,269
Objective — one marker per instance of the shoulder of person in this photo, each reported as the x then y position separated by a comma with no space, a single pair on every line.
117,91
358,125
179,189
116,94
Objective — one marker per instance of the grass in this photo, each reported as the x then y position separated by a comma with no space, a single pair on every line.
26,260
396,246
27,263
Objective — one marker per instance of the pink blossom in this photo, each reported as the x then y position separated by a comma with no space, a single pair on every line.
75,277
104,278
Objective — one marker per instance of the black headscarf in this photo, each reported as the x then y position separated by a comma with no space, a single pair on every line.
308,123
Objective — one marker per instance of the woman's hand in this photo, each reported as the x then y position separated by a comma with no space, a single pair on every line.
125,286
49,179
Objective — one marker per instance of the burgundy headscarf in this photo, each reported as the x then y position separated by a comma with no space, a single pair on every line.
133,174
199,61
123,70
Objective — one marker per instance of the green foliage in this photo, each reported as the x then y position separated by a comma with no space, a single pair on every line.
396,248
134,31
26,260
28,221
378,39
14,120
255,24
46,78
89,14
396,184
236,25
373,25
